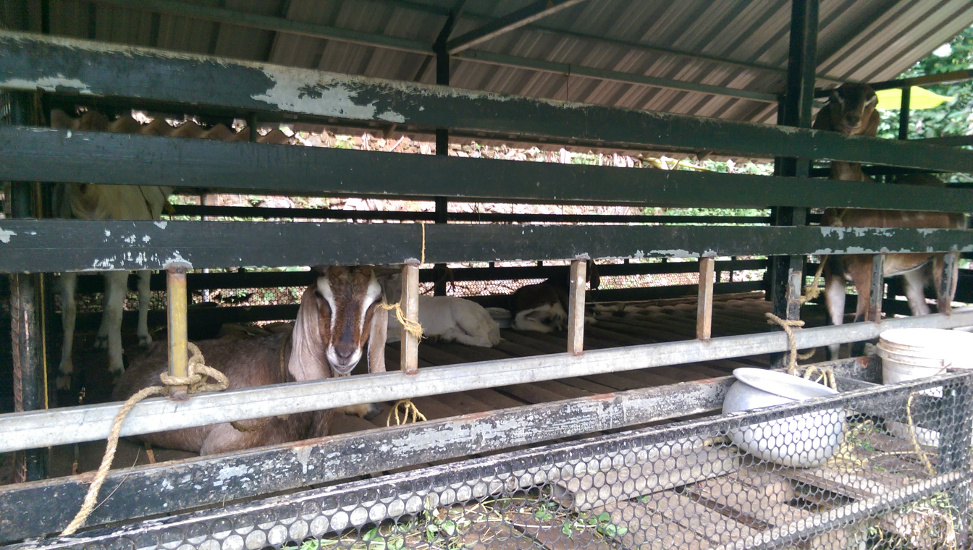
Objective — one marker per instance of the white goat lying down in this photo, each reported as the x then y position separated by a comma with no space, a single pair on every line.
338,316
543,307
447,318
119,202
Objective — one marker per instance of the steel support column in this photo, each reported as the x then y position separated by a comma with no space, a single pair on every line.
787,273
442,149
904,112
27,316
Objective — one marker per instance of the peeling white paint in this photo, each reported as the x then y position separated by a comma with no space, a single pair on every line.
146,239
230,473
48,84
176,258
107,233
303,455
160,225
167,485
5,235
293,90
675,253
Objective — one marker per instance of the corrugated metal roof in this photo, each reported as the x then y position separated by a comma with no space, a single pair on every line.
737,44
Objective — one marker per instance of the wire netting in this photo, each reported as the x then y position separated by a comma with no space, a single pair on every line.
882,467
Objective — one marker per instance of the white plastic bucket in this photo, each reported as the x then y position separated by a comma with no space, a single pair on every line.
912,353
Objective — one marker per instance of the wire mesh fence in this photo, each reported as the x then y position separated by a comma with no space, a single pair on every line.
880,467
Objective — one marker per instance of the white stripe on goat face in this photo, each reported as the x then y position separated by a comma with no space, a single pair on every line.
349,294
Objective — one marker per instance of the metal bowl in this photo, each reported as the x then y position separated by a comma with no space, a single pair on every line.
805,440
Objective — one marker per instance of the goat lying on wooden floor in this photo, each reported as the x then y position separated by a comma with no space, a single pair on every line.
447,318
543,307
338,316
119,202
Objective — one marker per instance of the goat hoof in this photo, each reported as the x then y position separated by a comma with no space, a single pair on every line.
101,342
145,341
63,382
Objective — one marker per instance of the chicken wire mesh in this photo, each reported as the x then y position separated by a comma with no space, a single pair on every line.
886,467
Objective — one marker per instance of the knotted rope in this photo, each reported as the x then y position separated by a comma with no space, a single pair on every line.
412,327
196,381
410,413
789,327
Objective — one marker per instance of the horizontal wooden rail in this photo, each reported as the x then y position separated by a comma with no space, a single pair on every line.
83,245
42,154
32,62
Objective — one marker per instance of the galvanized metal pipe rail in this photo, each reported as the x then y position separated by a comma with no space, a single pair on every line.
77,424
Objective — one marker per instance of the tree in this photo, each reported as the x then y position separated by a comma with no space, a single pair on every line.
949,119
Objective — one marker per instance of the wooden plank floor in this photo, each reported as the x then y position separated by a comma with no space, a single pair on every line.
616,324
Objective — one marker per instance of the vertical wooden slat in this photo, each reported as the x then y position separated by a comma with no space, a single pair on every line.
704,306
576,306
176,296
878,289
410,308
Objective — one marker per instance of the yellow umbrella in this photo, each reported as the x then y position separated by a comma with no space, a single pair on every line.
919,98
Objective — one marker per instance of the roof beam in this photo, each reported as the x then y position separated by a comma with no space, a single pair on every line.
271,23
565,33
514,20
278,24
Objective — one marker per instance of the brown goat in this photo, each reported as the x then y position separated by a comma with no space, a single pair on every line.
543,307
338,315
915,269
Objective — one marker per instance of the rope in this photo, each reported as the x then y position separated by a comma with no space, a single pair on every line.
422,253
410,413
915,443
198,372
412,327
788,327
813,290
825,376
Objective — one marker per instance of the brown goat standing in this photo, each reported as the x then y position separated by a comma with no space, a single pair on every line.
851,111
338,315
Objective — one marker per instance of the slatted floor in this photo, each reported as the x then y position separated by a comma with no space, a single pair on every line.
616,325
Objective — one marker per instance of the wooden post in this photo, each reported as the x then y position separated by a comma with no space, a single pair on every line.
874,312
410,308
176,297
704,305
576,306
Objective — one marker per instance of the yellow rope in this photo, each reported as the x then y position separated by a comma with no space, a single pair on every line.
813,291
825,376
788,327
915,442
410,413
198,372
412,327
422,253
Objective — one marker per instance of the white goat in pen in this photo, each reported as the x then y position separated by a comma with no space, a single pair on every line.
120,202
448,318
338,316
105,202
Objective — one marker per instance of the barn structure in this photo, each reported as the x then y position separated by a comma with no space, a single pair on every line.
607,435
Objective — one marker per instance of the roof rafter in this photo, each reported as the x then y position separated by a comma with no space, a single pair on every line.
514,20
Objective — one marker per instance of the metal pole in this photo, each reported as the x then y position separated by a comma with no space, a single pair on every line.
787,275
442,150
27,328
176,311
409,358
576,296
904,113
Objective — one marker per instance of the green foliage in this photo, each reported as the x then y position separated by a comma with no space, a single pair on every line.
949,119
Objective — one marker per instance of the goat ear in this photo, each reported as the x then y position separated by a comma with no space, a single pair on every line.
594,279
835,97
377,334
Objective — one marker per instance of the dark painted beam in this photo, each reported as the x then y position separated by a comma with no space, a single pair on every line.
31,62
79,245
35,154
535,11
